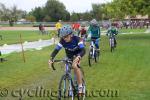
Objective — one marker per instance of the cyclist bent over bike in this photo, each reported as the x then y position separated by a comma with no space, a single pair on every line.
74,46
94,30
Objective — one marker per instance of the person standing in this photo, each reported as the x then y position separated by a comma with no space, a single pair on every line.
58,26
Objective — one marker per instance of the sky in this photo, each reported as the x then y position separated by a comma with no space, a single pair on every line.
71,5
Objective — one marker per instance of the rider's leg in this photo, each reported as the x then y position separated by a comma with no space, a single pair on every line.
79,77
97,44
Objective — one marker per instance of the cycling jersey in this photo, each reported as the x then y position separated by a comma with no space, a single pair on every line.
94,31
83,31
112,31
73,48
58,25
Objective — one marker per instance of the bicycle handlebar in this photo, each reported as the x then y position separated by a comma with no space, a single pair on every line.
65,61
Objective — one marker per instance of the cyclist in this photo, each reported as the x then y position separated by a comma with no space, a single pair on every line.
112,32
94,31
58,27
73,47
42,29
83,32
75,27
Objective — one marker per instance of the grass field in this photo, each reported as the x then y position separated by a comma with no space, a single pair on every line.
12,37
124,30
126,71
18,25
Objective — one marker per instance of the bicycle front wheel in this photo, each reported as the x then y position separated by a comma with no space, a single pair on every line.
111,44
90,58
65,90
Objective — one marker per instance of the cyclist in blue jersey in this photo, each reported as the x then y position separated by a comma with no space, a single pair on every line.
74,47
94,31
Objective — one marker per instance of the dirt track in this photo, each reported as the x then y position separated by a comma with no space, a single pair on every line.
25,28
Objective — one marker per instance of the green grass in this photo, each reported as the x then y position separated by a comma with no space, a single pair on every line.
132,30
11,37
17,25
126,70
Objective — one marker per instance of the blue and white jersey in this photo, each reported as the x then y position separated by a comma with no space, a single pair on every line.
75,44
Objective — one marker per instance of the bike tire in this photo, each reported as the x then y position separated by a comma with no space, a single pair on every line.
90,59
112,45
112,49
97,56
63,89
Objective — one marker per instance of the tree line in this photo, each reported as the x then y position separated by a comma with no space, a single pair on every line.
55,10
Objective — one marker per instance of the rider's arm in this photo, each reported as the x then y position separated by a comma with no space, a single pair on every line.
116,31
56,50
79,32
99,32
89,30
107,32
82,48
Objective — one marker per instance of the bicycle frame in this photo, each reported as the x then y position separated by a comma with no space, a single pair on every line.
92,48
68,74
68,77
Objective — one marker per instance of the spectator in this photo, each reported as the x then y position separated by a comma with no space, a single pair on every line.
58,27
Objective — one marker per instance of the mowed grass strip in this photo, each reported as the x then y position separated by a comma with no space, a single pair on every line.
13,37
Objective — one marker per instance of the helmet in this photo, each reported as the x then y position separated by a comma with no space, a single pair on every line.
65,30
93,22
83,24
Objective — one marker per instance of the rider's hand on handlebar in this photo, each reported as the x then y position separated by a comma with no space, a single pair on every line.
50,63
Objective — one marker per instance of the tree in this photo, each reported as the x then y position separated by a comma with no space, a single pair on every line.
47,18
97,11
10,14
30,18
56,10
75,16
87,16
38,13
52,11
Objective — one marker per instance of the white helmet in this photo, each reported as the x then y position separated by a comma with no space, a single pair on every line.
93,22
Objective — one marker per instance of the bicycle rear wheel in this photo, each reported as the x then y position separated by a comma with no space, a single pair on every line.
97,56
66,89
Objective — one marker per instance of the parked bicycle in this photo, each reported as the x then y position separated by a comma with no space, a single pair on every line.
68,87
93,54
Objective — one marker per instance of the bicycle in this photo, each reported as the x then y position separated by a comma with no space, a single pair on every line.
112,43
68,88
93,54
